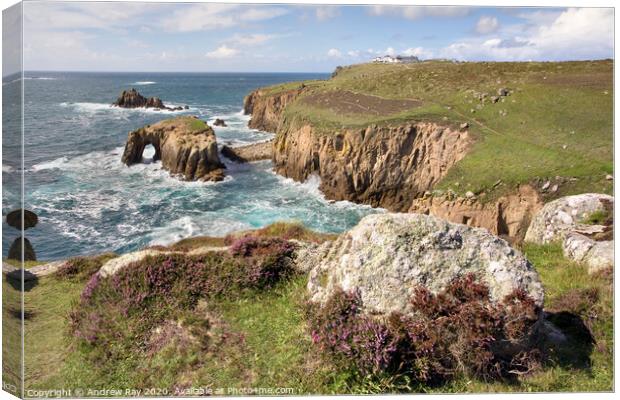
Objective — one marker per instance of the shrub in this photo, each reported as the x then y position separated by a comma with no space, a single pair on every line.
117,314
458,330
82,268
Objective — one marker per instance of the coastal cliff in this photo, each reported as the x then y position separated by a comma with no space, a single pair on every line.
425,139
395,167
384,166
267,109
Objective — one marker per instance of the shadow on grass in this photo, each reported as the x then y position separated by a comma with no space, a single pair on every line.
575,350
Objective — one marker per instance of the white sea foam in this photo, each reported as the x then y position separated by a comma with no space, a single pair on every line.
39,78
210,224
141,83
92,108
7,169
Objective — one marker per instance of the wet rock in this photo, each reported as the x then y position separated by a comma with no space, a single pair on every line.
133,99
219,122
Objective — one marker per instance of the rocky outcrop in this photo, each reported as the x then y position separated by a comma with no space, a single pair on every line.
386,256
384,166
567,214
266,108
250,152
185,145
597,255
219,122
133,99
508,216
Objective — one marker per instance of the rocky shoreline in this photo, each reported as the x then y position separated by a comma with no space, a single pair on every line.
248,153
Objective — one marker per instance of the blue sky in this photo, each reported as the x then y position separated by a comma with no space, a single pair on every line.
271,37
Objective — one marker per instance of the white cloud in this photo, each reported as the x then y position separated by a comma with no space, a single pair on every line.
575,34
324,13
418,52
222,52
486,25
417,12
334,53
390,51
262,13
202,17
108,16
251,39
353,53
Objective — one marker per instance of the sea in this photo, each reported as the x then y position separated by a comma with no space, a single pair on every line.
88,202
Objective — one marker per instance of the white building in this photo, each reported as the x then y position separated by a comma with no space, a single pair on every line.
396,59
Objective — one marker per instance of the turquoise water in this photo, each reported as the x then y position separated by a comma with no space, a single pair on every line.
89,202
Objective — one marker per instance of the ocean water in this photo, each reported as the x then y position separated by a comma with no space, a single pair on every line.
89,202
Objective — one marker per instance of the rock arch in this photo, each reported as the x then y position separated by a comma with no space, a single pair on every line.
186,146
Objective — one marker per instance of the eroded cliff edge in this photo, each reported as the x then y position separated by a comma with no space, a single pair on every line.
394,166
429,139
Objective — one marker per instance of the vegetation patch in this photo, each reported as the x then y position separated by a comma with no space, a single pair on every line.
260,337
457,331
82,268
292,230
117,315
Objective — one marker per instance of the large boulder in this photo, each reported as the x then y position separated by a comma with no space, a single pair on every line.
386,256
597,255
186,146
567,214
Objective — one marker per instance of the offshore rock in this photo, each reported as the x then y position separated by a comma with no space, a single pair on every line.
186,146
133,99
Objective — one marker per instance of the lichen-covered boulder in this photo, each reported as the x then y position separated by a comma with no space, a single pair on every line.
564,215
597,255
186,146
386,256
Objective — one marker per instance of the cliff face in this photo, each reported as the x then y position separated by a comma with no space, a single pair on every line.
266,110
382,166
186,146
392,167
509,215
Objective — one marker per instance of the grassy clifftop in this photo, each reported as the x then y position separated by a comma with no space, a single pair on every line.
557,119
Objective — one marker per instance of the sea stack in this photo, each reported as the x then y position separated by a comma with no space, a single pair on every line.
133,99
186,146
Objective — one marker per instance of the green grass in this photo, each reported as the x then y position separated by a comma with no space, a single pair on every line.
558,121
598,217
270,345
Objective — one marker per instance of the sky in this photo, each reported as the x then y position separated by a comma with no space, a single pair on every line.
299,38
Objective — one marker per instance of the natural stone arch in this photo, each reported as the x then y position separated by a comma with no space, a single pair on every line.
185,145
